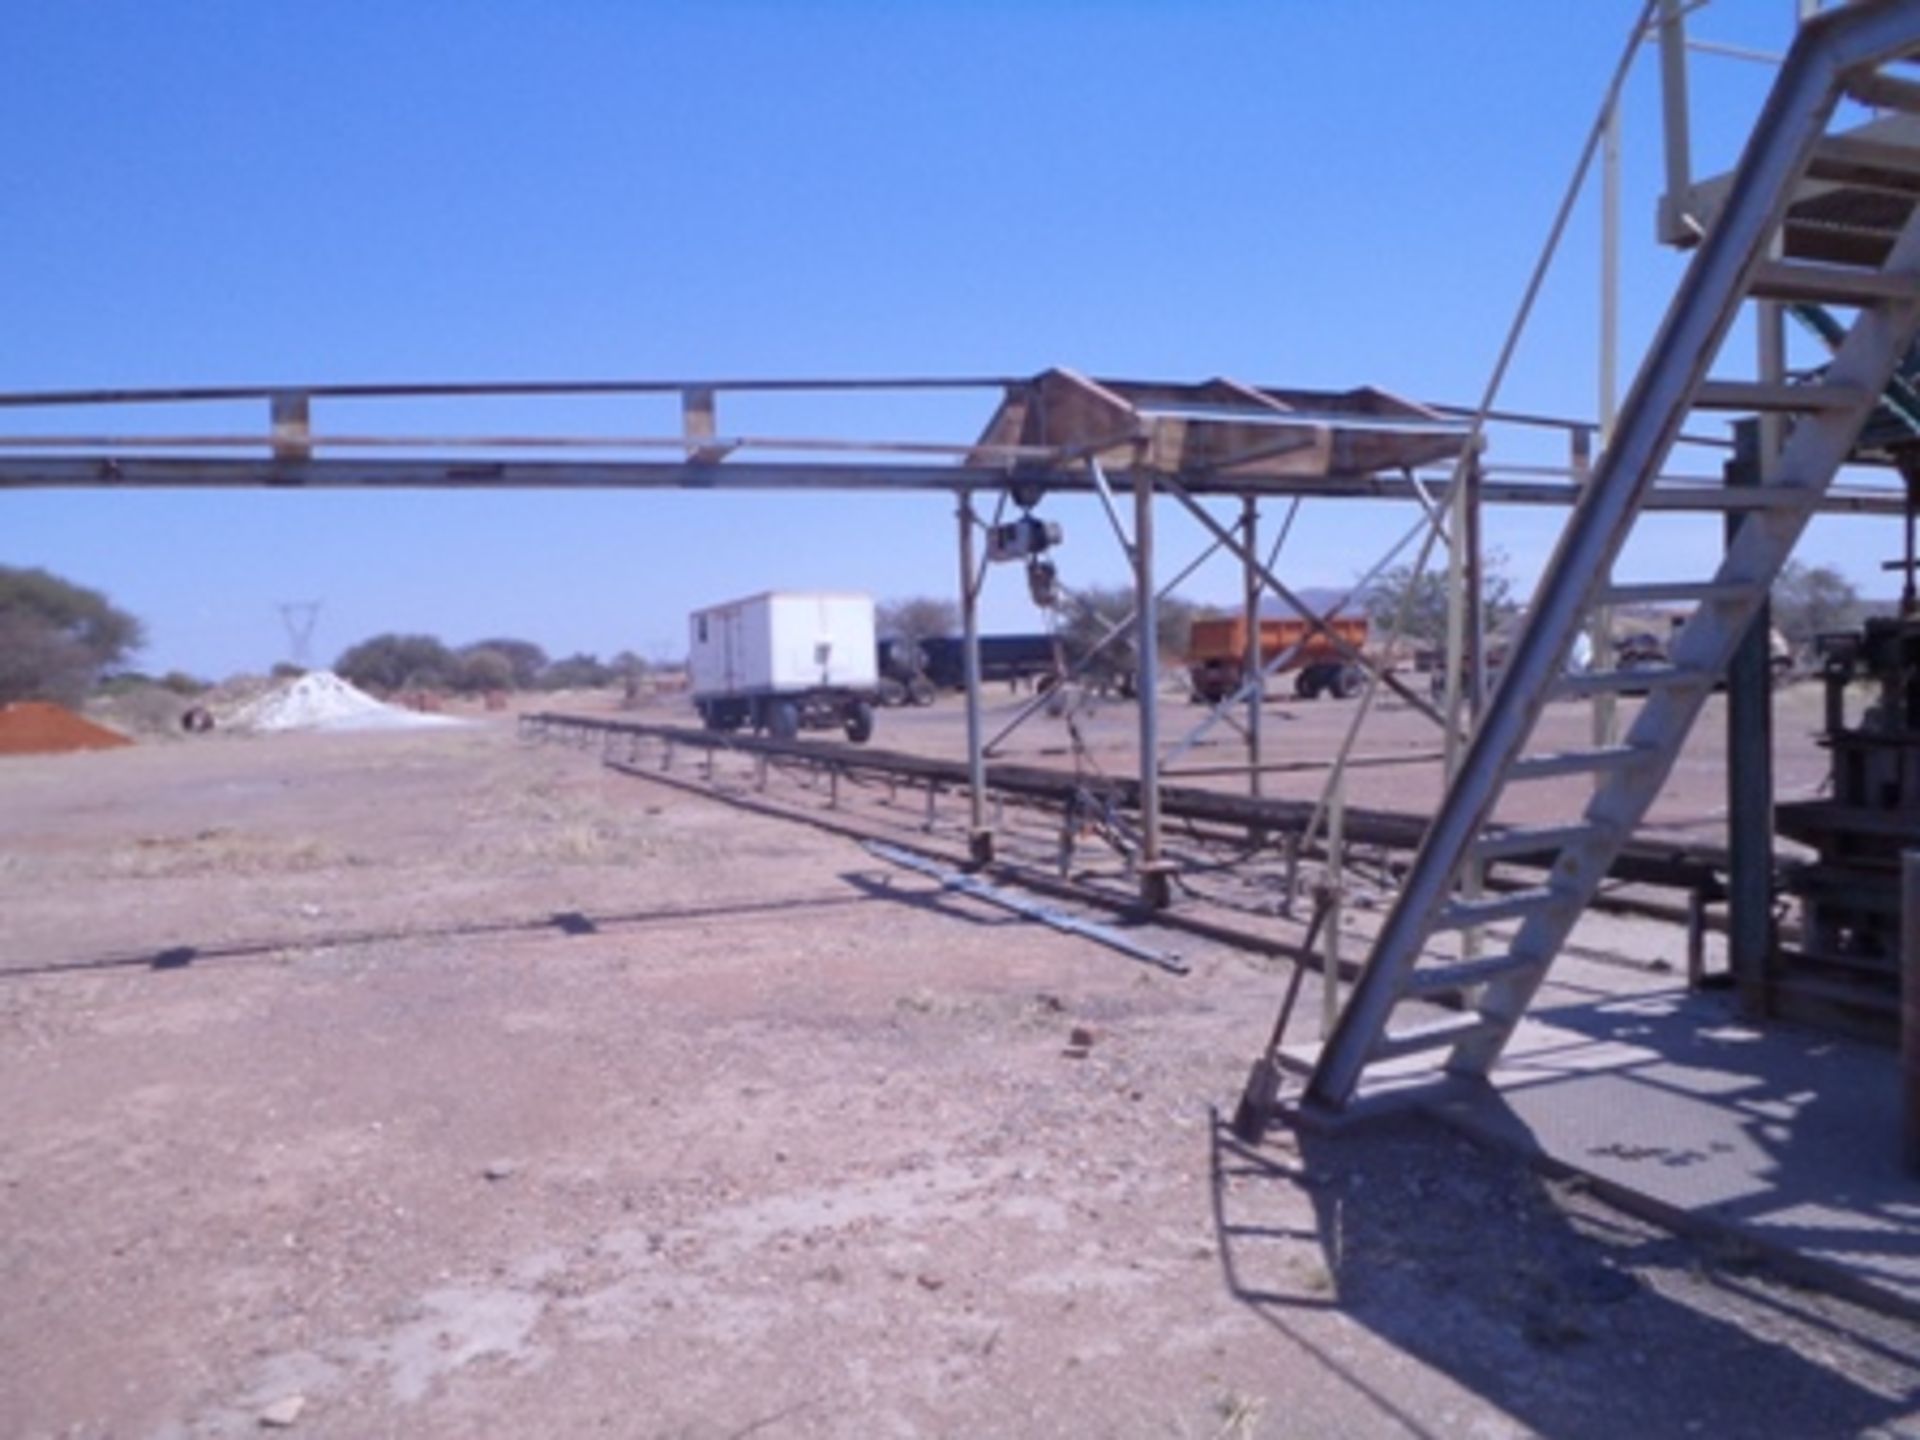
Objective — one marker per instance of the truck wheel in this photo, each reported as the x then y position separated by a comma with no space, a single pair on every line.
1306,685
859,722
1345,682
783,720
892,694
920,690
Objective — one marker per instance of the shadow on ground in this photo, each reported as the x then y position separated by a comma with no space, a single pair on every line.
1790,1135
869,887
562,923
928,896
1571,1318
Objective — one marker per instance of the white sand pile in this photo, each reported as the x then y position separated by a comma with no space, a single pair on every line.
321,700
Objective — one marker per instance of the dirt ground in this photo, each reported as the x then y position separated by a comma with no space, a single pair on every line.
438,1085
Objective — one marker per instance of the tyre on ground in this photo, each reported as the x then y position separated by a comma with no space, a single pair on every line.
859,722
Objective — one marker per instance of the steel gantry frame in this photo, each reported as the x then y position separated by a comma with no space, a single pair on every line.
1057,433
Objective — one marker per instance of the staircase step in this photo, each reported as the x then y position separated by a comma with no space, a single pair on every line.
1577,762
1840,157
1437,1035
1710,304
1666,592
1462,974
1641,681
1490,909
1744,395
1883,92
1831,284
1533,840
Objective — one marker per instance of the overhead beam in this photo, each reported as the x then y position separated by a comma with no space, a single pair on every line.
124,395
148,472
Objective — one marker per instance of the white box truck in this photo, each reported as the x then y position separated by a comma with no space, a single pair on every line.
786,661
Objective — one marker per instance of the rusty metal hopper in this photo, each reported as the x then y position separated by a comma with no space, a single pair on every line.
1222,430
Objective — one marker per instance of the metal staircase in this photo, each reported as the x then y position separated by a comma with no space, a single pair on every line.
1851,52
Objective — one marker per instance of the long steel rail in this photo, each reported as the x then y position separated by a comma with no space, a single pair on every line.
1662,864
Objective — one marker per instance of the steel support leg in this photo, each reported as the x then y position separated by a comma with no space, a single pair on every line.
1675,124
1154,888
1254,671
1473,617
1453,683
1605,716
1749,773
1335,898
979,835
1473,542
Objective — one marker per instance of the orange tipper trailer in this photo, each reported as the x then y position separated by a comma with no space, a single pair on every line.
1217,651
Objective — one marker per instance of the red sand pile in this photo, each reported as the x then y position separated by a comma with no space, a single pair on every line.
35,727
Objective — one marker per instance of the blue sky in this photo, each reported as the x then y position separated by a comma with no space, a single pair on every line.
1289,193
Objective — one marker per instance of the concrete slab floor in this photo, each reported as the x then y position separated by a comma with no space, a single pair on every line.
1777,1137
